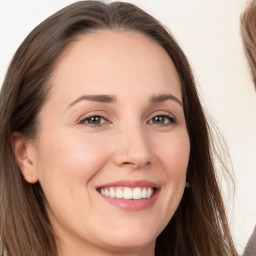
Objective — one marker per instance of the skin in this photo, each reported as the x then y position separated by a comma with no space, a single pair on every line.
133,140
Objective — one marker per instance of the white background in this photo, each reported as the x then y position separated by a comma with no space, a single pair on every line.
208,32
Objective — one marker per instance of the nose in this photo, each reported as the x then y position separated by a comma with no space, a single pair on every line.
133,148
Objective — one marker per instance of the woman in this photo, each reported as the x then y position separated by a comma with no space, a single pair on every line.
248,31
101,132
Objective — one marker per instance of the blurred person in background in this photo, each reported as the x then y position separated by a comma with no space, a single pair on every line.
248,31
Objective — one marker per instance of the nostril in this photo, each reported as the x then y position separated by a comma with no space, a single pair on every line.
134,165
137,165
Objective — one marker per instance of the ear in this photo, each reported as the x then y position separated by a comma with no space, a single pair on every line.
24,151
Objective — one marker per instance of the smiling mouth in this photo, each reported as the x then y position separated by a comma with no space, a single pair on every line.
128,193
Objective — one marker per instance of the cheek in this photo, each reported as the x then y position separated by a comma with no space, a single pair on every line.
174,154
70,157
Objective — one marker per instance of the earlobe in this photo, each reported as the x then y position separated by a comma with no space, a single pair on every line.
25,157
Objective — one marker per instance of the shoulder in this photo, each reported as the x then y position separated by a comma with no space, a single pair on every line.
250,249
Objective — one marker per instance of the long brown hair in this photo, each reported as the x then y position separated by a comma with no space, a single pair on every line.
199,226
248,31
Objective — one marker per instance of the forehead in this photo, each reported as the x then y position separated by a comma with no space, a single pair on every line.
114,56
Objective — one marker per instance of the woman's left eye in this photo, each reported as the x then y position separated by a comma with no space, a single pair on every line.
162,120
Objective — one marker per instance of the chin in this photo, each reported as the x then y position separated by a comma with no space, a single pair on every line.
131,240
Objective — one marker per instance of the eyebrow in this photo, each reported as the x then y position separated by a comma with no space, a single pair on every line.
95,98
111,99
164,97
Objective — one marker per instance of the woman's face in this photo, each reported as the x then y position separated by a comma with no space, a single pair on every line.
112,150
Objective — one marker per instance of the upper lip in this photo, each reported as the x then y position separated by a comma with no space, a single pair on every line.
130,183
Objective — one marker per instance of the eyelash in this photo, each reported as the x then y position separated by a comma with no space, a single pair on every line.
86,120
171,120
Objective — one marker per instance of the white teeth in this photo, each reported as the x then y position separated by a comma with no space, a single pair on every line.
136,193
112,193
106,193
127,193
144,193
119,193
149,192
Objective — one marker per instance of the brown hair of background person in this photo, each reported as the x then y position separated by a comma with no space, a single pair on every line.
248,31
199,226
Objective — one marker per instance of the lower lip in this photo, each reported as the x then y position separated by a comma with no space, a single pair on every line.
132,204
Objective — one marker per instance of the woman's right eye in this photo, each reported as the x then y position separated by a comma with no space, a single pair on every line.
94,120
